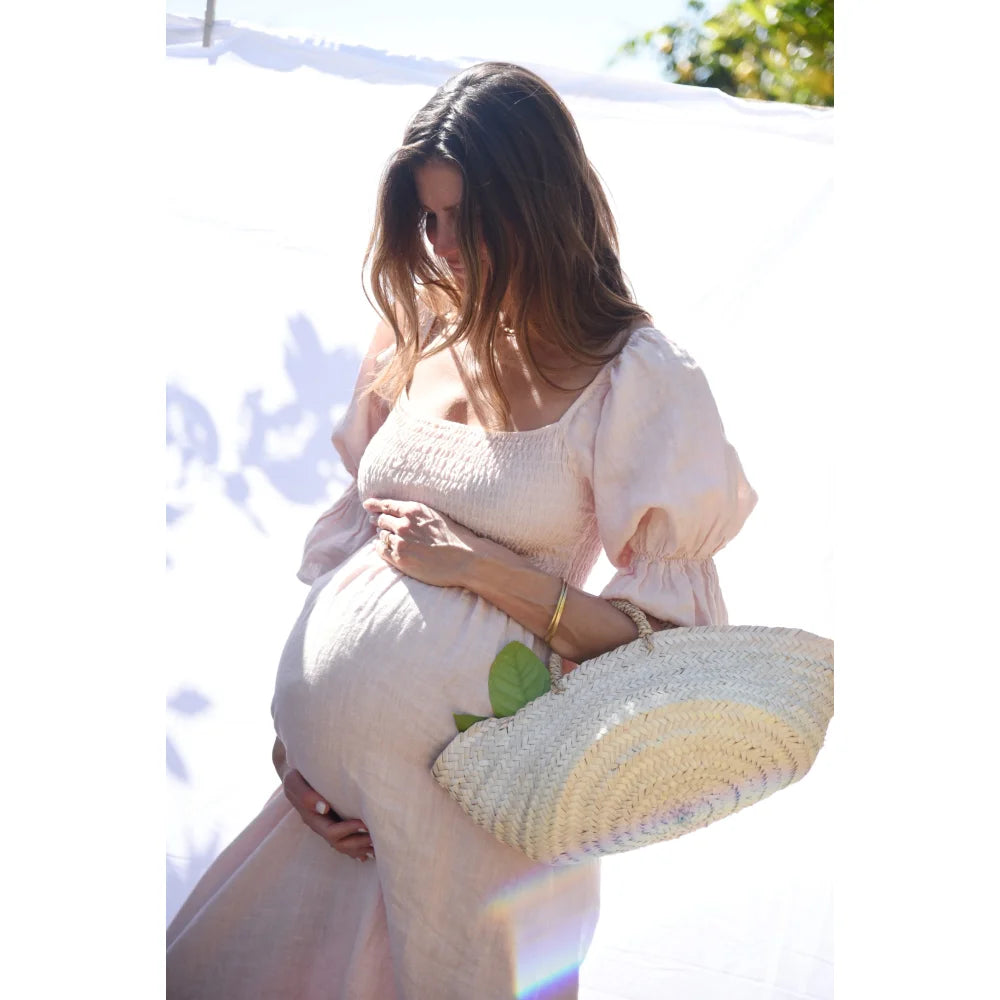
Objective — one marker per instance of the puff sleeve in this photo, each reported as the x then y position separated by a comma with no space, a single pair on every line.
669,490
344,528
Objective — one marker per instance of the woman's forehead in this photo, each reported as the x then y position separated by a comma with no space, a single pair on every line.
439,185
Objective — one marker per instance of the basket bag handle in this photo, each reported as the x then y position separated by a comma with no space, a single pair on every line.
637,615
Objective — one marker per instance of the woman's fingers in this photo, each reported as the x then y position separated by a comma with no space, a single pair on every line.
394,508
352,838
422,543
302,795
377,505
349,836
397,525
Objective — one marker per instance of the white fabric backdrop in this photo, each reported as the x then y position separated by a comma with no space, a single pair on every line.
276,146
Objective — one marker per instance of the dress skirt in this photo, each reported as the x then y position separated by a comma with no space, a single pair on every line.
368,681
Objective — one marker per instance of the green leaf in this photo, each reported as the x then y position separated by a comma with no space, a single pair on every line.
463,720
517,676
755,11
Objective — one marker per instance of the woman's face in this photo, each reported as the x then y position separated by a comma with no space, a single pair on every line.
439,188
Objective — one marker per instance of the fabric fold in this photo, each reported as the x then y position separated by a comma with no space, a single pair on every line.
343,528
338,533
669,489
682,591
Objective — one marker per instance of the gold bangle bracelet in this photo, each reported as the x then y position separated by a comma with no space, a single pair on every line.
550,632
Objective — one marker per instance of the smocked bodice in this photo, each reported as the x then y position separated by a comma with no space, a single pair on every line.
523,489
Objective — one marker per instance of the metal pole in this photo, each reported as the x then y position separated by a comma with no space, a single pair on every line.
206,38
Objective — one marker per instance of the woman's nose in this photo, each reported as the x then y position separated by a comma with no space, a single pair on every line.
445,241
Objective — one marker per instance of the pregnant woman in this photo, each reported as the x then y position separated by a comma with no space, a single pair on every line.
515,414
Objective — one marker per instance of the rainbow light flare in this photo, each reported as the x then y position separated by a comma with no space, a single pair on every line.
548,951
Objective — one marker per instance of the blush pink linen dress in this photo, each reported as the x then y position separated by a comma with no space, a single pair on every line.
377,663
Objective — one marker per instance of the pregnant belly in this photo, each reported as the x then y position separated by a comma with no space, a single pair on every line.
375,667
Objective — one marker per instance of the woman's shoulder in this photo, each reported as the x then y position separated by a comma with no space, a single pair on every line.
648,361
383,346
647,343
650,389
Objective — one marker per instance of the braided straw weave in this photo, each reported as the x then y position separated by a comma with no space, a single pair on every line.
641,745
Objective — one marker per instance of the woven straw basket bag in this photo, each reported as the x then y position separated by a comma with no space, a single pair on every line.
647,742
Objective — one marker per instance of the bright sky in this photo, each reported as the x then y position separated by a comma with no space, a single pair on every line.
573,34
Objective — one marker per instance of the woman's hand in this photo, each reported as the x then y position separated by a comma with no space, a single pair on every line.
348,836
424,544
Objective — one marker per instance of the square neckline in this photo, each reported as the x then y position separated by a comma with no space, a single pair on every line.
405,404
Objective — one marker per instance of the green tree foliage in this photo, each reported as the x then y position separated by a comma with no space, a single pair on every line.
776,51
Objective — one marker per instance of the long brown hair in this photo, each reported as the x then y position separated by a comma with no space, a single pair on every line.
532,199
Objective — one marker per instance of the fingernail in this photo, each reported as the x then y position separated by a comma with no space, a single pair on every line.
322,808
362,829
370,856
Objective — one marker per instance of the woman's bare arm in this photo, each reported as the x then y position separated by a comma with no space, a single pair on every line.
429,546
589,625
